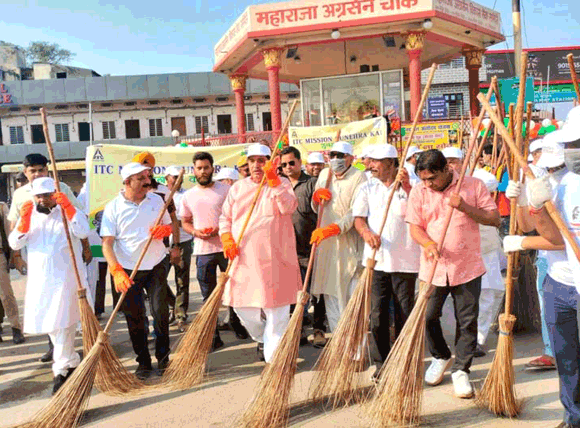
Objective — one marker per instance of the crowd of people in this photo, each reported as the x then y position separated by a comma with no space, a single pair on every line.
269,264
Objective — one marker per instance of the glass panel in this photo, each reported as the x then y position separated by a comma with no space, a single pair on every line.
347,99
392,94
312,103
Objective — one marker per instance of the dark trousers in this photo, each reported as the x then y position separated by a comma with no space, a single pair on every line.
561,304
207,265
318,303
401,287
466,306
154,282
180,300
101,289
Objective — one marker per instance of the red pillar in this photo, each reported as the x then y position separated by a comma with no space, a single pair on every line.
473,58
272,63
239,87
414,42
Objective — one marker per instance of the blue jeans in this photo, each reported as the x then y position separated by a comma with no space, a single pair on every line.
207,265
561,303
542,268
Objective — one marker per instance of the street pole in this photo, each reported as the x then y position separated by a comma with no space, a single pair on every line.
517,21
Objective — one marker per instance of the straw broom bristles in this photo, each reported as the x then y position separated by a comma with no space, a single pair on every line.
189,362
338,369
399,394
268,408
66,407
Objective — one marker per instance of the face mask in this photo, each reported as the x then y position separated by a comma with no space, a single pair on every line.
572,159
338,166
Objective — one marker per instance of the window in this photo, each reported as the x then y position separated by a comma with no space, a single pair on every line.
454,104
132,129
458,62
199,122
249,122
37,134
61,75
109,130
155,128
16,135
62,133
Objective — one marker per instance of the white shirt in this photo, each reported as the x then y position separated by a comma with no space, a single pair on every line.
183,235
413,178
398,251
568,203
129,224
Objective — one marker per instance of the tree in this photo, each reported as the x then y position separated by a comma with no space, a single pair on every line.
47,52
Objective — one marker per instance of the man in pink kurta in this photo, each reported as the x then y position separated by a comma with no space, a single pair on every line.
459,263
265,276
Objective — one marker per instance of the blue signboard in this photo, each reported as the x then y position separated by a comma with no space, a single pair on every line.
437,108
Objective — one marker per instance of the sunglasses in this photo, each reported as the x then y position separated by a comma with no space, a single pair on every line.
289,163
338,155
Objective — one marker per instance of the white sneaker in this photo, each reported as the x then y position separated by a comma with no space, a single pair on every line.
461,384
436,371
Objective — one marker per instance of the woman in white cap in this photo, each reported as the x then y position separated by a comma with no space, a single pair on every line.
265,277
51,303
340,248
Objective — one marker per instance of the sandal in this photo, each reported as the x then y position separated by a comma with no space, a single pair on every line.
544,362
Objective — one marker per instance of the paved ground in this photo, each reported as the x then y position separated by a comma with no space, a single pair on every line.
25,386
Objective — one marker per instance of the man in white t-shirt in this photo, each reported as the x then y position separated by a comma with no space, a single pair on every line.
560,299
397,259
128,221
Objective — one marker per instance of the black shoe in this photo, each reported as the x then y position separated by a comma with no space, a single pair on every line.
46,358
479,352
59,381
217,343
375,376
303,338
239,330
260,352
17,336
70,372
143,371
162,366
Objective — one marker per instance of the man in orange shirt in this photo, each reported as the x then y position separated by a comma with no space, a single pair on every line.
459,264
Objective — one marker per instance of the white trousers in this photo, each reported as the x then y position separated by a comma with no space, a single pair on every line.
64,355
265,325
334,307
489,301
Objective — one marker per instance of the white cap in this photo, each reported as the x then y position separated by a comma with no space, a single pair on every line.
172,170
552,154
43,185
452,152
342,147
366,152
132,169
573,117
227,173
315,157
383,151
258,149
412,151
536,145
488,179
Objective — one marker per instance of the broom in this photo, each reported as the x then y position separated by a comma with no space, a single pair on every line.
338,368
399,392
269,406
479,151
90,324
65,408
498,392
189,362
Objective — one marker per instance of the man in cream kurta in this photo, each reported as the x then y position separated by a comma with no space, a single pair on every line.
339,255
51,304
264,277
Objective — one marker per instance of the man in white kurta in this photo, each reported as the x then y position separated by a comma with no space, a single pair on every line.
265,276
51,303
397,259
340,248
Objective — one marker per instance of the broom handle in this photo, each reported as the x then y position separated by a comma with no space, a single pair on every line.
550,207
57,185
573,74
397,182
145,248
261,186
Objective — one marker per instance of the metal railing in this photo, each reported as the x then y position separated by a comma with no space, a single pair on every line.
226,139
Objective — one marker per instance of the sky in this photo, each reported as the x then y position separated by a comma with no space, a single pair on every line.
171,36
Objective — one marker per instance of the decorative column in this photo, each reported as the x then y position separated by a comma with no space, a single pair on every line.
473,58
238,83
272,63
414,42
